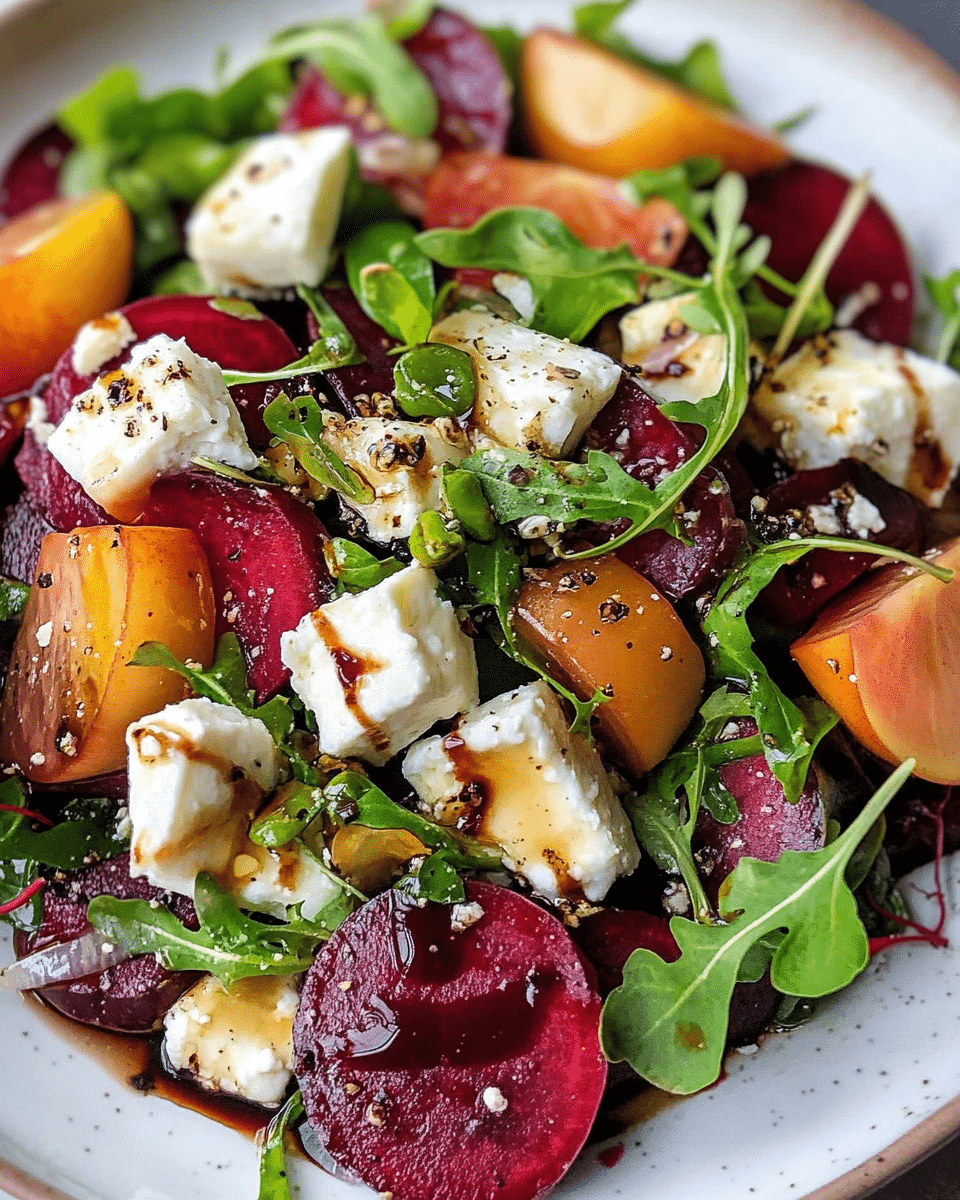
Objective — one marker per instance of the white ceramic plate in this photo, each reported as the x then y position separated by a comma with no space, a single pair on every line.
838,1105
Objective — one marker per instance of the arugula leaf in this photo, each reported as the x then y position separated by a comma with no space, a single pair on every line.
435,879
404,18
669,1020
13,600
87,115
274,1184
182,279
228,944
944,293
508,45
291,810
573,285
299,423
392,279
790,731
357,569
361,56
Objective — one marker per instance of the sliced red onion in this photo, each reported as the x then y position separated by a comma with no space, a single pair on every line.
665,351
63,961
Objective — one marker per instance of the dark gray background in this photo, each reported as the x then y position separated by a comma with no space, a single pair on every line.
937,22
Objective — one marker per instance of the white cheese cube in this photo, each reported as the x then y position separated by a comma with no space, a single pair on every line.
269,222
377,669
842,396
238,1041
534,392
99,340
401,462
512,773
146,419
675,361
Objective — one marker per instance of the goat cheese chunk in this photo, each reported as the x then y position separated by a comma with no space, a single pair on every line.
676,362
236,1040
534,392
543,795
148,418
269,222
401,461
99,340
842,396
378,668
198,772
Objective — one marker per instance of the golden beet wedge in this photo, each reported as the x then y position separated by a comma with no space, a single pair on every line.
599,624
98,594
587,107
886,657
62,263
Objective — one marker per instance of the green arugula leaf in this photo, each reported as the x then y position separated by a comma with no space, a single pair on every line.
13,600
435,879
357,569
392,278
274,1184
87,115
669,1020
361,56
228,944
944,293
299,423
404,18
182,279
291,810
508,45
85,835
790,731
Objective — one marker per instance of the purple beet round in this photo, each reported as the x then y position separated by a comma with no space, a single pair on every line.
32,175
58,497
22,529
130,997
265,549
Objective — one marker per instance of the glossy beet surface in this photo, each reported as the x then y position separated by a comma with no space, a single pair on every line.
458,1064
134,995
354,386
32,174
795,206
57,496
265,552
22,529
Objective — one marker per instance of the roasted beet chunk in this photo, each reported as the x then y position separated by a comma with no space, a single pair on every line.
357,387
57,496
846,500
132,996
33,173
795,206
451,1052
265,550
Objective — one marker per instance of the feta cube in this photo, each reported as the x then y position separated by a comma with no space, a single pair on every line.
675,361
99,340
512,773
534,392
146,419
237,1040
269,222
842,396
377,669
401,462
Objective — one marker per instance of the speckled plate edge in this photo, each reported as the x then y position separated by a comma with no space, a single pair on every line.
18,23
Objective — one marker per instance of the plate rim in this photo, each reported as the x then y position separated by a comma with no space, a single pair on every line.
939,1128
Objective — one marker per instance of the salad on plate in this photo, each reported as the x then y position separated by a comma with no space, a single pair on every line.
478,584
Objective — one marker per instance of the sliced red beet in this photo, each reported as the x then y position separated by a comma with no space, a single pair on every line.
795,206
368,378
472,89
767,823
631,428
33,173
132,996
798,592
57,496
455,1065
13,415
265,551
236,343
22,529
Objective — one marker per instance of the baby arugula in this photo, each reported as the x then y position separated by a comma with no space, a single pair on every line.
669,1020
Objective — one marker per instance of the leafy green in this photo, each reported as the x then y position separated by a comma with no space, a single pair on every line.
699,71
573,285
181,279
508,44
669,1020
406,17
13,600
357,569
360,56
274,1184
86,117
291,810
392,279
299,423
944,293
228,944
790,731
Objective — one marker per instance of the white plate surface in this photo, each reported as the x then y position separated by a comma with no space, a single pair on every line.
810,1106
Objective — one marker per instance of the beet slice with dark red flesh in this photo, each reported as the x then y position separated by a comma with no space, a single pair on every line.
57,496
265,552
22,529
767,823
795,206
130,997
800,590
32,175
394,1068
368,378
